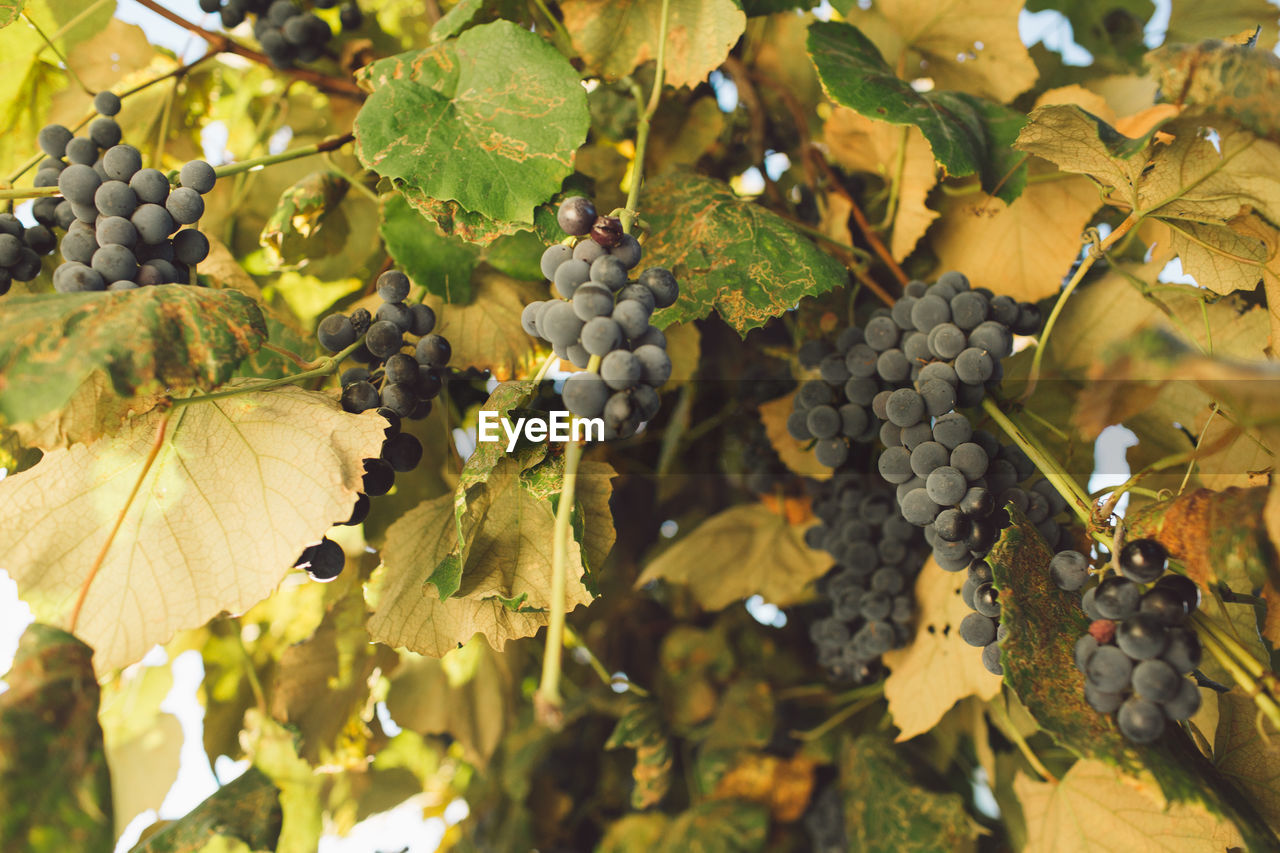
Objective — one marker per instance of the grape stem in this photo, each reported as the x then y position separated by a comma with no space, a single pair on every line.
53,47
331,144
548,699
868,233
224,44
647,111
326,366
96,567
1095,252
34,192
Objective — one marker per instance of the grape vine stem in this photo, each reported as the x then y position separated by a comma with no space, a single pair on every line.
547,701
325,145
161,428
224,44
1082,269
324,367
869,234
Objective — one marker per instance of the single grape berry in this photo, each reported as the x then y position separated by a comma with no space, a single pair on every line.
379,477
403,452
323,561
432,351
1069,570
1117,598
1143,560
393,286
384,338
576,216
106,103
607,231
335,332
360,397
1140,721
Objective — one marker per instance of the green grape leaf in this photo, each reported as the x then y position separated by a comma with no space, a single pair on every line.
968,134
10,10
640,728
470,13
729,255
246,809
60,347
55,788
308,221
614,37
886,810
226,499
728,825
1038,657
455,123
456,221
441,264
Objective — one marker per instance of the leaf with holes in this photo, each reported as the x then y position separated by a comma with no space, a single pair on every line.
937,669
968,135
227,498
97,348
454,123
729,255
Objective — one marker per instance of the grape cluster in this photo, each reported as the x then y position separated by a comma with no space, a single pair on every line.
398,385
287,33
603,314
21,248
904,378
878,554
122,221
824,821
1138,648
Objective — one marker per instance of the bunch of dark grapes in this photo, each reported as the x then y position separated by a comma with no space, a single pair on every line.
287,32
21,248
904,378
398,385
763,472
603,314
1139,647
122,221
870,588
824,821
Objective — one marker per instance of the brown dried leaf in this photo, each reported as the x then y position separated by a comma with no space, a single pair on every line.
784,785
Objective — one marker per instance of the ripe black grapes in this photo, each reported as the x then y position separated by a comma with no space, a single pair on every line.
870,589
1139,647
120,218
397,384
287,32
602,314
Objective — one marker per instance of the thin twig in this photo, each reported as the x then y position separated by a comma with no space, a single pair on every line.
868,233
224,44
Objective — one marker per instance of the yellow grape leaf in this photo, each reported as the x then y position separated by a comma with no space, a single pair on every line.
972,47
614,37
407,610
862,145
238,488
937,669
486,332
684,346
1022,249
1096,808
1247,757
773,415
142,742
275,752
745,550
1192,22
476,712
